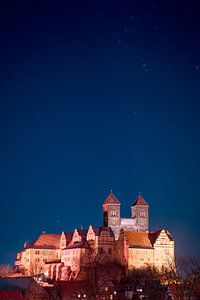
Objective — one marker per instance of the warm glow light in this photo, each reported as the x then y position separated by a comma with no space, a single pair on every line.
46,273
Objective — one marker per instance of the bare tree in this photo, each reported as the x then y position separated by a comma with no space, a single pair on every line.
6,270
99,273
146,283
183,275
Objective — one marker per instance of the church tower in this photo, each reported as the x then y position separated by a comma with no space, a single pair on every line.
140,212
111,214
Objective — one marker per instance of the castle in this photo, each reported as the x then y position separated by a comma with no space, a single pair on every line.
139,220
125,241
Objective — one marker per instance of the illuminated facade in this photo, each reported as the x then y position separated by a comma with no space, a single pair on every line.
139,220
143,249
125,241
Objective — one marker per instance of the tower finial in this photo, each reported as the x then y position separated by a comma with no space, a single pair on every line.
110,190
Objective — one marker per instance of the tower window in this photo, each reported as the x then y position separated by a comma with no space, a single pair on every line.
114,213
113,222
142,213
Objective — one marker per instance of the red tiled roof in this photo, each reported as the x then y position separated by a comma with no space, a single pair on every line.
143,239
47,240
138,239
140,201
111,199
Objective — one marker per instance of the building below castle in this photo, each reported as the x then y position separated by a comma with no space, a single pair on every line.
126,242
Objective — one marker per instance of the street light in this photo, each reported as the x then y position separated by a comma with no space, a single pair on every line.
81,296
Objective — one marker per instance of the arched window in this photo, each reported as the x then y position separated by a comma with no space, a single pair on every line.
142,213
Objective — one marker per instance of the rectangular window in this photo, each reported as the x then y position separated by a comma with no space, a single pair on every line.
100,250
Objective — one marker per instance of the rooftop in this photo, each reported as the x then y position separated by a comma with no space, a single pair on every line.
111,199
140,201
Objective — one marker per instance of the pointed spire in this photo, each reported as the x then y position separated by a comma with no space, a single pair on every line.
140,201
111,199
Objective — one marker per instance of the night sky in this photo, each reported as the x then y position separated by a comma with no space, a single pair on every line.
98,95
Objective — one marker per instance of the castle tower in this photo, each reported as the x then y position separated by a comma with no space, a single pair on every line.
140,212
111,214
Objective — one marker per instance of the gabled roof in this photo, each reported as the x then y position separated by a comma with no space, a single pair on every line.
111,199
137,239
68,236
82,232
140,201
13,286
109,230
46,240
156,234
98,230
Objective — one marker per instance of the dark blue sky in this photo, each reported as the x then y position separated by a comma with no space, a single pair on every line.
97,95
